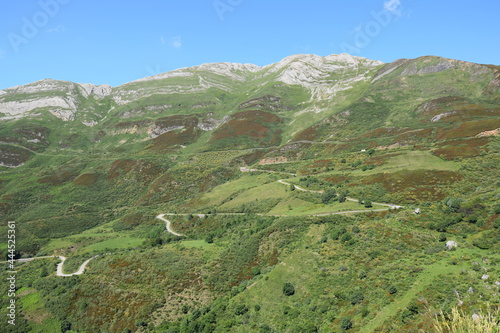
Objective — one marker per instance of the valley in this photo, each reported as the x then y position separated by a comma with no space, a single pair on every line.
192,200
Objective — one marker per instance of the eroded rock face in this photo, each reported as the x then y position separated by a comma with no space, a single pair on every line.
97,91
61,107
60,98
323,76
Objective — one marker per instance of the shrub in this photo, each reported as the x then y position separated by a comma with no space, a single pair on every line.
357,298
288,289
65,326
472,218
209,239
342,196
240,309
346,237
496,224
453,204
345,324
328,195
336,233
393,290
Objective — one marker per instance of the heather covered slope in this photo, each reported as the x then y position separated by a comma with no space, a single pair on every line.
274,175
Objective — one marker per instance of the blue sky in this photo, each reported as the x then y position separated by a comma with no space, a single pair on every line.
117,41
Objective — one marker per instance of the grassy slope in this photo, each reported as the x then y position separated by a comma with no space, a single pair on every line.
112,214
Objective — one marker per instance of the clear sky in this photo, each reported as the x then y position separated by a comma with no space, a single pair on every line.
117,41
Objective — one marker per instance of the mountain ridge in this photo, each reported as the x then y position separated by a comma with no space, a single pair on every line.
273,176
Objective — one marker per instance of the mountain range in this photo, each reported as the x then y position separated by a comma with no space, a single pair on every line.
316,194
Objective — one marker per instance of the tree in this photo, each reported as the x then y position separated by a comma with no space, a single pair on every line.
292,187
454,204
328,195
345,324
209,239
65,326
357,298
368,204
288,289
342,196
241,309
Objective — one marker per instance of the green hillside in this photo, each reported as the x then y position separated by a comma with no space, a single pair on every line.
317,194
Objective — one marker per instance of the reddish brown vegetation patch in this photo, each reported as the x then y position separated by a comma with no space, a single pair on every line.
399,181
13,156
120,167
187,132
9,139
131,124
273,160
461,148
86,179
177,120
336,179
144,171
322,163
469,129
258,126
454,152
380,160
309,134
383,132
253,157
194,180
420,134
468,142
416,184
34,132
119,263
58,178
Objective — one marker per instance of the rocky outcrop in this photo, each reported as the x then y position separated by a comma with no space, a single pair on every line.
60,98
97,91
323,76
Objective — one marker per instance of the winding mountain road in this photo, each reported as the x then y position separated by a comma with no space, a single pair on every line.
81,269
282,181
59,270
161,217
